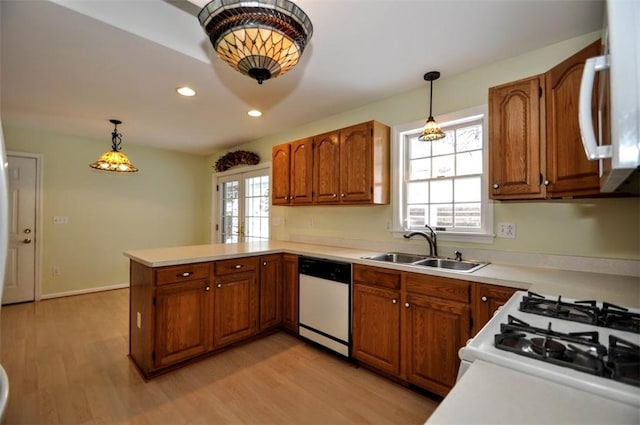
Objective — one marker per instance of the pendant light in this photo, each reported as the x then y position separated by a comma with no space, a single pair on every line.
114,160
431,130
261,39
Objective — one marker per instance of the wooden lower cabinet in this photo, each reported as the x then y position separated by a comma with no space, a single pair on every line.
486,300
290,292
435,329
376,327
410,325
182,322
270,291
235,311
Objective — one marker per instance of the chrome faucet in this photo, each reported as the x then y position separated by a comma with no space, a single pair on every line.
432,239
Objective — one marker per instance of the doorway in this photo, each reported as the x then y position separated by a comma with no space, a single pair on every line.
243,206
21,277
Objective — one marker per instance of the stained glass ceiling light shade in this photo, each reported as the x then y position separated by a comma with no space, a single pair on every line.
431,130
114,160
261,39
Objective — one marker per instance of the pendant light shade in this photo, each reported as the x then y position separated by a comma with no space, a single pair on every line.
114,160
431,130
262,39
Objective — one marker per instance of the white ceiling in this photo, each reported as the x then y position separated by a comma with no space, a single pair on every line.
69,66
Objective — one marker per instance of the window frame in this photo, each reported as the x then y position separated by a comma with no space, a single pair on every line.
485,235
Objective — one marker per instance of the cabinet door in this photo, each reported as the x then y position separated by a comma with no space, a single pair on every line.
290,282
270,291
280,174
376,327
569,172
514,140
302,171
182,317
434,331
326,168
235,308
486,301
356,162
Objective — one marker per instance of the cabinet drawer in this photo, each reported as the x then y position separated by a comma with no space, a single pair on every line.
235,265
439,287
376,276
175,274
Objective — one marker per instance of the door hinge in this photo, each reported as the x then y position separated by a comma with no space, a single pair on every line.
153,356
539,91
471,323
540,183
154,300
216,227
217,188
371,131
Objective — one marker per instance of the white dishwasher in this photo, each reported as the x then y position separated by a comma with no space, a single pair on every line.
325,303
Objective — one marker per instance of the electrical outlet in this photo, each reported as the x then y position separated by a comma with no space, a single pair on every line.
507,230
56,271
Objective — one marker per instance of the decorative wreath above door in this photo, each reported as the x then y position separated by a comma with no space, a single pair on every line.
232,159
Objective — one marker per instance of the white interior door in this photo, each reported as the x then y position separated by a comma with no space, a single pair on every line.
243,200
20,273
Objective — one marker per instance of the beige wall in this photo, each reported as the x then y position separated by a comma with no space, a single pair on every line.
165,204
608,228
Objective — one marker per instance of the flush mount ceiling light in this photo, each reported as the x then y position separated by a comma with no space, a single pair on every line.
431,130
262,39
254,113
114,160
186,91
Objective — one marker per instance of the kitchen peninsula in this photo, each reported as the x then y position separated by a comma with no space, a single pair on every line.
188,302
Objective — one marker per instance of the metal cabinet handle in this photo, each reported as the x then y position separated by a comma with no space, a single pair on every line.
27,240
394,301
207,288
335,195
547,182
406,305
264,264
185,274
484,299
237,266
343,195
219,285
496,186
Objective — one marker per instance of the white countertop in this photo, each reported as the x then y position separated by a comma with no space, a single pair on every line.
617,289
491,394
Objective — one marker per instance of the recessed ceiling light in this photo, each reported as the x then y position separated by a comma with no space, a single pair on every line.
186,91
254,113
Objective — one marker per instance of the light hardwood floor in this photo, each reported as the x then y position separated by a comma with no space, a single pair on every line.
67,363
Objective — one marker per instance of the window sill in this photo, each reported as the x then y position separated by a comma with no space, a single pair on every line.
484,238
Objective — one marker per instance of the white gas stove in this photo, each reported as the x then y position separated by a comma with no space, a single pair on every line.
564,341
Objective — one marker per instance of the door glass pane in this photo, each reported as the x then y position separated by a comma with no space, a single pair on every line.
256,214
230,213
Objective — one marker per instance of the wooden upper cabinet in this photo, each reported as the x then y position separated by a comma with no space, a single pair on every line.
569,172
281,170
535,146
346,166
514,139
326,170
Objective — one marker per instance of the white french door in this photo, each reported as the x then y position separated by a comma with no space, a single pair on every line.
243,207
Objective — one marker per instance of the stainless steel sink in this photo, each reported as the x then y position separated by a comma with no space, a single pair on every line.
397,257
449,264
446,263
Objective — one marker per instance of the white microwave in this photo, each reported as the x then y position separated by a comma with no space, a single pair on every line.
616,142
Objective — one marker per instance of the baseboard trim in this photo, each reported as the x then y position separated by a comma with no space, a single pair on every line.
83,291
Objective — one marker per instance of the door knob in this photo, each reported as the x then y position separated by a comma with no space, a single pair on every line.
27,231
27,240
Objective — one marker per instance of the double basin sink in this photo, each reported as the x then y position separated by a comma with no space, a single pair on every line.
448,264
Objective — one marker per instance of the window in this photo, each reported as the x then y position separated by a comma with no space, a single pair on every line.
443,183
243,200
